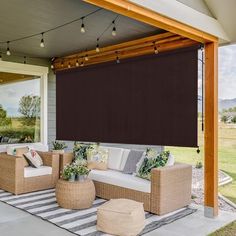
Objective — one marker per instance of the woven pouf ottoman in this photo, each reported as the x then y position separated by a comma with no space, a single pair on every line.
121,217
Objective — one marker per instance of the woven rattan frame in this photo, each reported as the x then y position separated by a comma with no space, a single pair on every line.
170,188
75,195
12,174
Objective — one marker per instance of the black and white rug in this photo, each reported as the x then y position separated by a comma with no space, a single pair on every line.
80,222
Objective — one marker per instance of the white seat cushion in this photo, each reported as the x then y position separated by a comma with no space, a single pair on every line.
120,179
33,172
114,157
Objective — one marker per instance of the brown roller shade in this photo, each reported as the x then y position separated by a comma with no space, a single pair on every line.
146,100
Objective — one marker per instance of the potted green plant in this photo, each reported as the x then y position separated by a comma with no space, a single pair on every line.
82,172
69,172
58,147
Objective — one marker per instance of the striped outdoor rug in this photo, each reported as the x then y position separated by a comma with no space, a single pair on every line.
80,222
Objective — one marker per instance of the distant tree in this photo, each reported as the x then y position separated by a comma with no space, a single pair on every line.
224,118
4,120
233,120
29,107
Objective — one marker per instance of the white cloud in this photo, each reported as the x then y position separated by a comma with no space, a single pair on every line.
10,94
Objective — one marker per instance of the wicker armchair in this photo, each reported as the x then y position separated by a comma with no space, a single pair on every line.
170,188
12,174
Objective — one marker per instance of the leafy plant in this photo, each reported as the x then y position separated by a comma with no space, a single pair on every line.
29,107
4,120
58,145
69,171
82,170
224,118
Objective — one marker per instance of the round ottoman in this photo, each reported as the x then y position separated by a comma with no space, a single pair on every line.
122,217
75,195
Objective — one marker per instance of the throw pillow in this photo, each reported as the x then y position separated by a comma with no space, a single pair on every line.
80,150
20,153
152,162
34,159
97,158
132,160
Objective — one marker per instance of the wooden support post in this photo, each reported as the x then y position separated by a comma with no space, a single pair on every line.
211,130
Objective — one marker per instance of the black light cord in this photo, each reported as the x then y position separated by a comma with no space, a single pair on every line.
52,29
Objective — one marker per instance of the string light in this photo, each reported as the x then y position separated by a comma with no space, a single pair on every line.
42,42
0,56
24,59
69,65
52,66
77,63
82,63
155,49
86,57
97,47
117,58
62,64
8,49
113,29
82,29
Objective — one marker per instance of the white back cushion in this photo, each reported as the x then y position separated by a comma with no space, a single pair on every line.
171,160
114,157
124,159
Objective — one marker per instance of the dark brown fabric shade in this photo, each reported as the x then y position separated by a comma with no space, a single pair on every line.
147,100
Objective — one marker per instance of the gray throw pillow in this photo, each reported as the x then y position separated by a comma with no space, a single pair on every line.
132,160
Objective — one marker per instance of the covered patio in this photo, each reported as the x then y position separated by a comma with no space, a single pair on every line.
64,38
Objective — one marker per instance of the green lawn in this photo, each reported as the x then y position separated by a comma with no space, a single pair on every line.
229,230
227,156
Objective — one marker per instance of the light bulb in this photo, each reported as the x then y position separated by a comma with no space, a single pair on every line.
69,66
113,31
86,57
52,66
42,42
117,60
77,63
24,59
82,29
155,50
8,49
97,48
0,57
82,63
62,64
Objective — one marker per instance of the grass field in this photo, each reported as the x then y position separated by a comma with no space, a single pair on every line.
227,156
229,230
18,130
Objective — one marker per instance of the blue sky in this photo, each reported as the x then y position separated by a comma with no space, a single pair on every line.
11,94
227,72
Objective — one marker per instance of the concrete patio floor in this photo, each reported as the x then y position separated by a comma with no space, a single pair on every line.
17,222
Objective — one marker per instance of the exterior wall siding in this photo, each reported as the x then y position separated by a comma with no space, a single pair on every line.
52,121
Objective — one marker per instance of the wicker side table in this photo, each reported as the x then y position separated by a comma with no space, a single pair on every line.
75,195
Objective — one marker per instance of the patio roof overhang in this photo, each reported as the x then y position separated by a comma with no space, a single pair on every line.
178,35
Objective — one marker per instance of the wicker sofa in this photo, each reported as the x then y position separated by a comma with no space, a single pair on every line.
18,179
168,190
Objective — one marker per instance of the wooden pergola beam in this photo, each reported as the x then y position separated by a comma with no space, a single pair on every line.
211,130
147,16
163,42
